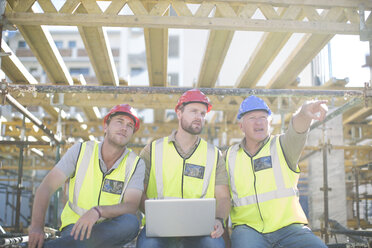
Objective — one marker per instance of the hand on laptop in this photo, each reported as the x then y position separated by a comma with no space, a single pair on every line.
218,229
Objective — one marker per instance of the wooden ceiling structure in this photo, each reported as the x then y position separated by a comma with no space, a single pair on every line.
319,20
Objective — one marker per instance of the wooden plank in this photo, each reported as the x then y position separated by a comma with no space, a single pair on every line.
218,45
352,15
24,5
98,48
305,51
47,6
14,68
156,42
204,9
268,11
236,23
181,8
137,7
357,115
43,47
69,6
115,7
266,51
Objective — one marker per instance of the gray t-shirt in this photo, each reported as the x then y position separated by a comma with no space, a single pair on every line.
67,165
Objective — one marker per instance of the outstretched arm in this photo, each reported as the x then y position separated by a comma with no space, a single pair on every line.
53,180
311,110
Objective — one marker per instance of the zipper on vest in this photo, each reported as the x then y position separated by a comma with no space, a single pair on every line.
100,191
183,171
255,191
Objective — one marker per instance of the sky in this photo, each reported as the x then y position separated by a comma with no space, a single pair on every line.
348,58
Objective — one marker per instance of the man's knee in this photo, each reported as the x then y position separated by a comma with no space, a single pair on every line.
208,242
128,226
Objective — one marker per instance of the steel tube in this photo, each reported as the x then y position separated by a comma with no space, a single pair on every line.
19,181
325,192
31,117
177,90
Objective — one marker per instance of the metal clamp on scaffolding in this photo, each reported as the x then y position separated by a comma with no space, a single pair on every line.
3,91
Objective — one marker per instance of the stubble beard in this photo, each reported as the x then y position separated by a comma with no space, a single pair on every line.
189,129
114,141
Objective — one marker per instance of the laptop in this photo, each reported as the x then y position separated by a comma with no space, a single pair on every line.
180,217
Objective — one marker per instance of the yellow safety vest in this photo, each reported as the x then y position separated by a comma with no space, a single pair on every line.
172,176
263,188
89,187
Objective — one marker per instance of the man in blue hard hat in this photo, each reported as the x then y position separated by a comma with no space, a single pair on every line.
263,177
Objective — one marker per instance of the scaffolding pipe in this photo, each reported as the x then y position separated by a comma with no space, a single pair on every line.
24,143
20,175
356,175
57,194
31,117
325,192
178,90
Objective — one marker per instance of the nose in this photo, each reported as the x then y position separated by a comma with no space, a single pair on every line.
199,116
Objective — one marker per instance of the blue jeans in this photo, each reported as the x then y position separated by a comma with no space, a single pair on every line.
184,242
292,236
113,232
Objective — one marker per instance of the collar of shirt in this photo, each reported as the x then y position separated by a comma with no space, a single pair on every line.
242,144
172,138
102,163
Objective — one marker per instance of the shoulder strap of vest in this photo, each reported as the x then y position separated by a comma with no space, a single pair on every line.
212,157
80,174
276,164
230,159
158,166
131,165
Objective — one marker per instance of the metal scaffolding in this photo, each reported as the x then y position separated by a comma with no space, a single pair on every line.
9,88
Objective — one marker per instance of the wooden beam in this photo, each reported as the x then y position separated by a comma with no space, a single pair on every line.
14,68
266,51
357,115
98,47
218,44
306,50
94,20
156,41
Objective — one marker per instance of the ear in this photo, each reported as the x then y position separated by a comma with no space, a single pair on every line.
179,114
241,126
105,126
270,121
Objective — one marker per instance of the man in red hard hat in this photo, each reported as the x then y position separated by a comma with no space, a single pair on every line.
264,173
105,189
188,162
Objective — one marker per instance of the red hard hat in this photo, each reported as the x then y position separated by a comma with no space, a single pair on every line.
191,96
125,109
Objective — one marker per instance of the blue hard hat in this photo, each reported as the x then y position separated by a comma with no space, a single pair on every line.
252,103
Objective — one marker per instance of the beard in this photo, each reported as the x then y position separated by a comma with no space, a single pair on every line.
115,140
187,127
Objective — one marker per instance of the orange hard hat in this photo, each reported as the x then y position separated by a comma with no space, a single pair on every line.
191,96
125,109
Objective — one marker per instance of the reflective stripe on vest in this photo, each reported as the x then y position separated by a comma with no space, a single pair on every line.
159,160
280,192
131,163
